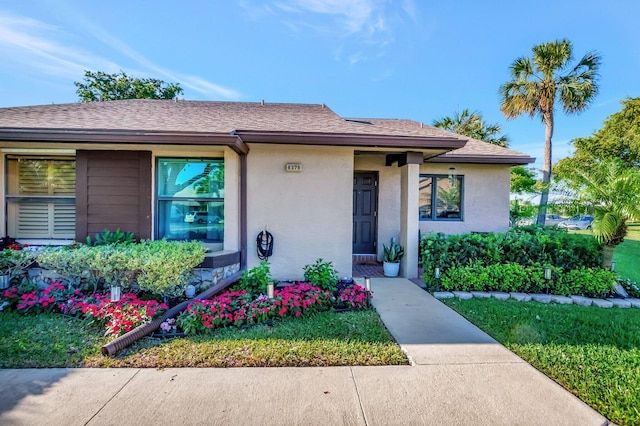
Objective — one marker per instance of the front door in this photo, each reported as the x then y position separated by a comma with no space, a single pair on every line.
365,207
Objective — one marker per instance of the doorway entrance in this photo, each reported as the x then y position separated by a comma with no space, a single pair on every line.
365,212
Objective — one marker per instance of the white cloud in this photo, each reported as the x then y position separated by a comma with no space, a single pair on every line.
31,44
355,15
195,83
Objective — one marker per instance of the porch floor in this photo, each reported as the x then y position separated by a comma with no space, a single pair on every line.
371,270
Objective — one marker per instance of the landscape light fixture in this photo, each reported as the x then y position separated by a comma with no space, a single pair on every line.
437,276
367,287
613,266
270,290
547,277
115,293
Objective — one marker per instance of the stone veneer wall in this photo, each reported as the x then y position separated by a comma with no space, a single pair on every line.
208,277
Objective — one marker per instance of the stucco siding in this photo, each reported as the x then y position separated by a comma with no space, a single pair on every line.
309,213
485,199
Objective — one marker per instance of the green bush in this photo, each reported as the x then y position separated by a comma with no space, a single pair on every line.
586,282
16,262
160,267
321,274
255,280
111,264
526,246
163,267
512,277
107,237
69,263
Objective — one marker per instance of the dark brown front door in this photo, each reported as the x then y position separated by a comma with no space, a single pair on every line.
365,205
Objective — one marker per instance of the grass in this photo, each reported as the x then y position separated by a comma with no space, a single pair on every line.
592,352
626,255
45,340
324,339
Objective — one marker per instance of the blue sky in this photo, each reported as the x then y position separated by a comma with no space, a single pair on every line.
363,58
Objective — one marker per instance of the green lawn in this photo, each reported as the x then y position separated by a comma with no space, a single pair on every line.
592,352
626,255
324,339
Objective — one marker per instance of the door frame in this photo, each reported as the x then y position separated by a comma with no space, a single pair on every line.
376,210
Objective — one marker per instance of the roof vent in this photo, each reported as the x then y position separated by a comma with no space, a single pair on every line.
351,120
262,102
421,125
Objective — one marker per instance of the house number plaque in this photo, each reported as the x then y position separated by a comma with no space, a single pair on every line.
293,167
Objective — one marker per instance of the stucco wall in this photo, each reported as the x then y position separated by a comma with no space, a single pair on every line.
309,213
485,199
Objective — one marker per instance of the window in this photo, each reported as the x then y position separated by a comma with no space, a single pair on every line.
41,193
440,197
190,199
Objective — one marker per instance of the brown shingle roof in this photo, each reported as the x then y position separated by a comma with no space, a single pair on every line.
248,119
192,116
474,150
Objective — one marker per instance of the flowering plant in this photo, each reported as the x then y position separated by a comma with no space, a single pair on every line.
117,318
28,298
169,326
354,297
236,308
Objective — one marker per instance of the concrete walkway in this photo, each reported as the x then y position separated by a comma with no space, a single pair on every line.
460,376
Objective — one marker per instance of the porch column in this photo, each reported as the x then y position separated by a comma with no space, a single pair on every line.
409,182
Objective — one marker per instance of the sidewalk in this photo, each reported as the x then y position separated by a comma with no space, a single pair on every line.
460,376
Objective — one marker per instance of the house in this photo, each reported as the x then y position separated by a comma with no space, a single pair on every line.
324,186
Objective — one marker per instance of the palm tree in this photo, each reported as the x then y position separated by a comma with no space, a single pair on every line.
472,124
537,83
612,189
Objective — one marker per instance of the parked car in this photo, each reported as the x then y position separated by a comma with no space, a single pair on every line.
550,220
200,217
577,222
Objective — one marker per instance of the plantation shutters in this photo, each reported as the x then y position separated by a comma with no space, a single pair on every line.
41,197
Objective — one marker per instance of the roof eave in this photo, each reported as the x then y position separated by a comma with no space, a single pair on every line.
349,139
516,160
98,136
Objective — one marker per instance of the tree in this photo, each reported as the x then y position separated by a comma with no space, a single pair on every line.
619,138
523,180
612,190
100,86
472,125
539,82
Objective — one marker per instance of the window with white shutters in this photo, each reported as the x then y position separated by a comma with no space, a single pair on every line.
41,197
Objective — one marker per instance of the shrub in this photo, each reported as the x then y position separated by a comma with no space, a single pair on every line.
526,246
107,237
512,277
321,274
112,264
70,264
585,281
15,262
255,280
163,267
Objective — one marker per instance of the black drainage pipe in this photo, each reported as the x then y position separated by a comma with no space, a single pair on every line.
136,334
